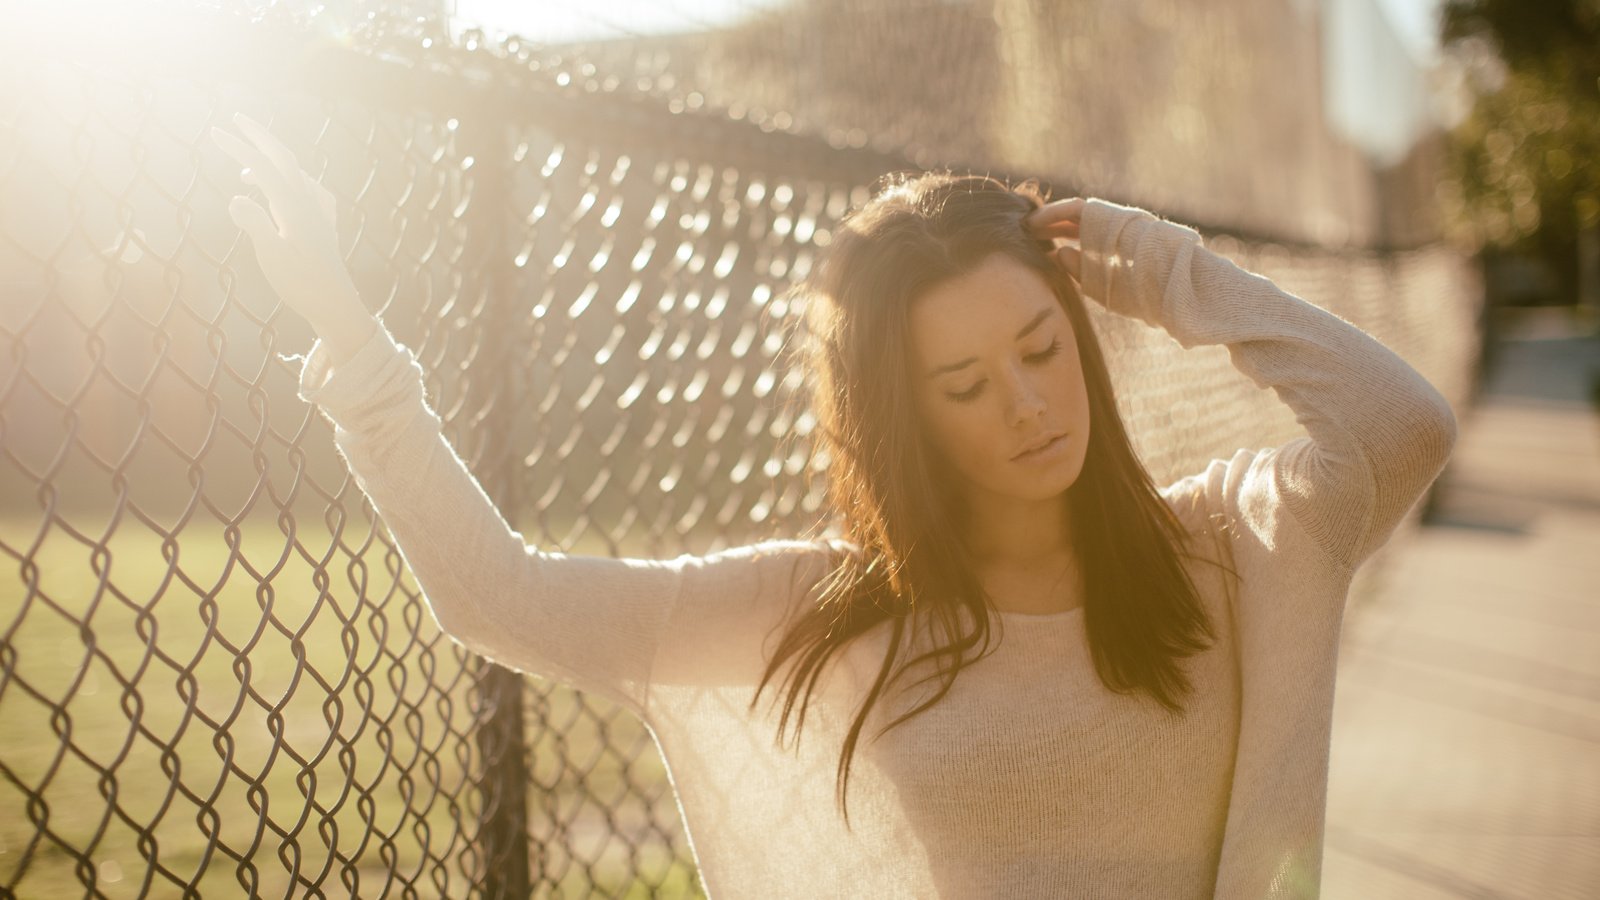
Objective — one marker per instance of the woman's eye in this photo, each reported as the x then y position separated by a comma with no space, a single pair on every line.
1052,350
971,394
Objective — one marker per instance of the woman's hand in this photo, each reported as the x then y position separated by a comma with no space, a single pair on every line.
1058,221
297,243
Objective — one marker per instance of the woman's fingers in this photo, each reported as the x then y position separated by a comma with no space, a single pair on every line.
1064,229
262,170
293,233
269,144
272,251
324,197
1071,259
297,200
1054,214
1058,221
254,221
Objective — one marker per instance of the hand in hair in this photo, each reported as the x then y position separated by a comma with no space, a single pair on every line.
1058,220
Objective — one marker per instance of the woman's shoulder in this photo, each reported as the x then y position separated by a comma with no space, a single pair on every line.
1190,496
1222,499
1243,499
734,601
1223,484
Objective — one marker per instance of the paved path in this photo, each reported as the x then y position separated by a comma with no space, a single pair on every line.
1466,735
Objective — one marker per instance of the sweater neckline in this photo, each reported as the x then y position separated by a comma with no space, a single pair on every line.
1040,617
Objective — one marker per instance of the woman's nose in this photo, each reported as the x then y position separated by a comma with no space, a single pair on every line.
1025,400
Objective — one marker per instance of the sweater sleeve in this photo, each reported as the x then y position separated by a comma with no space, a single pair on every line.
1377,432
593,623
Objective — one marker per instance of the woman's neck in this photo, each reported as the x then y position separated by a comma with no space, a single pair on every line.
1009,533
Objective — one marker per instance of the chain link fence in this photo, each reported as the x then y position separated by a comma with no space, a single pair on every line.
216,676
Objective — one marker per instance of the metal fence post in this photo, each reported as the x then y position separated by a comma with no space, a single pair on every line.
503,830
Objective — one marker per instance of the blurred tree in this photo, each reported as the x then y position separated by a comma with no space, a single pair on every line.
1525,162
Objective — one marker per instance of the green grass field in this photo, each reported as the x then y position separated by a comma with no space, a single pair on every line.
346,725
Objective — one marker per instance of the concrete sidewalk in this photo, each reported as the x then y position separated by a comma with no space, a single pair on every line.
1466,734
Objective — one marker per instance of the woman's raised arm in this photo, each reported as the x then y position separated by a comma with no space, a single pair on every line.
1378,432
595,623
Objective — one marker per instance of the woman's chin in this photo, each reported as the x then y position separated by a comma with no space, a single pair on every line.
1037,491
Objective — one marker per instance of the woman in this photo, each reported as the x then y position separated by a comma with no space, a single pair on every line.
1152,716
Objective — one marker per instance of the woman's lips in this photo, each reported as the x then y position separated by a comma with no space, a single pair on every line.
1048,451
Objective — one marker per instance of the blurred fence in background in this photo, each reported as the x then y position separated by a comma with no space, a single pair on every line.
215,674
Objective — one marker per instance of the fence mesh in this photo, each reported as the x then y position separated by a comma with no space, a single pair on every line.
215,673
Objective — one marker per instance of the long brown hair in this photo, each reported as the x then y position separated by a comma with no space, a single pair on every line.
894,498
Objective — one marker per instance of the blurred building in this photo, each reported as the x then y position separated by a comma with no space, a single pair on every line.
1240,114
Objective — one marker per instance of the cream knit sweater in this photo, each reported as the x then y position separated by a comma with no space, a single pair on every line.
1029,779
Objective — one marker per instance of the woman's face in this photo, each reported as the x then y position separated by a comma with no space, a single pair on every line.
996,373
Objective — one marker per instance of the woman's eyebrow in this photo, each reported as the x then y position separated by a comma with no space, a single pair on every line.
1027,329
